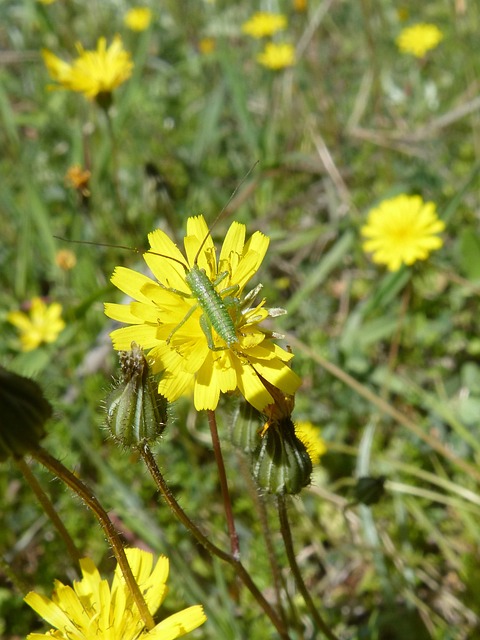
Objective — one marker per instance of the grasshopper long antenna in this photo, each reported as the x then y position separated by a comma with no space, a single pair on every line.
120,246
100,244
224,208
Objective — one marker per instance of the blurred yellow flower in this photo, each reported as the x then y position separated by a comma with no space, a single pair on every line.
79,179
138,18
93,609
47,1
206,45
42,324
309,434
402,230
418,39
65,259
277,56
300,5
185,340
94,73
263,24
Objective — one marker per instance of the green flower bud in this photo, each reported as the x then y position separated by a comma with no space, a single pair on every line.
136,412
23,413
281,463
245,425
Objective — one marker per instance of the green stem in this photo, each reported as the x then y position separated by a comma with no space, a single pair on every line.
239,569
227,503
86,494
49,509
287,540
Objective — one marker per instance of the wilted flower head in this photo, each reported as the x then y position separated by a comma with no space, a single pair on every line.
263,24
187,340
93,609
402,230
94,73
42,324
418,39
277,56
138,18
78,178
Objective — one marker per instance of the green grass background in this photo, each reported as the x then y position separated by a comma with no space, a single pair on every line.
353,122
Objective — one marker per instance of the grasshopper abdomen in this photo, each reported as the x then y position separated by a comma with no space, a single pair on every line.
212,304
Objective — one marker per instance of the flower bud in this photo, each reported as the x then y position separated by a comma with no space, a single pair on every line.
281,463
23,413
136,412
245,424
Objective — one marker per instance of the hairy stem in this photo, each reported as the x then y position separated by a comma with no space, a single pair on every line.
287,540
49,509
239,569
86,494
227,503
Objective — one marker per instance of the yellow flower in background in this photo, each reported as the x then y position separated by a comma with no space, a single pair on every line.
93,609
93,73
168,321
65,259
402,230
277,56
78,178
418,39
138,18
47,1
263,24
300,5
206,45
42,324
309,434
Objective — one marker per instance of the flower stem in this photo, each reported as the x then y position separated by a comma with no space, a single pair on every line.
227,503
287,541
85,493
49,509
239,569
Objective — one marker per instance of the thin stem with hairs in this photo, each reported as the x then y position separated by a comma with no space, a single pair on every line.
86,494
234,562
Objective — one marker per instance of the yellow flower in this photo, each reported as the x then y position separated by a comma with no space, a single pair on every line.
300,5
206,45
309,434
402,230
138,18
79,179
93,73
263,24
47,1
277,56
419,39
168,320
65,259
91,609
43,324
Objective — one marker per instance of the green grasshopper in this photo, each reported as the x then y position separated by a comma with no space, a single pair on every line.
215,308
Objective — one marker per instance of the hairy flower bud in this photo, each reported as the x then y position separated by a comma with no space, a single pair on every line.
281,463
136,412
